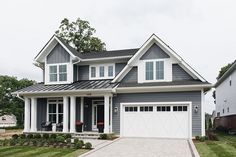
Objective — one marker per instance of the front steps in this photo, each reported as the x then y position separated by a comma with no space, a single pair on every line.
87,135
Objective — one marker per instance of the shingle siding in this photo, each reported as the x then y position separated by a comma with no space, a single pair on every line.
132,76
119,67
58,55
179,73
194,97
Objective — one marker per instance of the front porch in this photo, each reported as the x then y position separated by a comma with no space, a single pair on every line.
65,111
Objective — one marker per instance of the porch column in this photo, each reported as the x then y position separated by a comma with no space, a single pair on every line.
65,114
72,113
82,111
33,115
106,114
27,115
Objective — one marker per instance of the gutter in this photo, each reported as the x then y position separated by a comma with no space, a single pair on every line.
18,96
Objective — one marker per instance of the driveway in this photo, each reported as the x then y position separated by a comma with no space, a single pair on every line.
144,147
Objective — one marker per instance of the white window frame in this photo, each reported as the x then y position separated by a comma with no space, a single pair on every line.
97,67
57,102
154,70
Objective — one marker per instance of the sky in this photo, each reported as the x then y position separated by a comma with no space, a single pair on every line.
201,31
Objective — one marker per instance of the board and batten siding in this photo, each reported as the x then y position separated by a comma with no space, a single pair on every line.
41,112
58,55
194,97
154,52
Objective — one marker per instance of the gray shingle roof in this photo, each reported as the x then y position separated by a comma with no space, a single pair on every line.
79,85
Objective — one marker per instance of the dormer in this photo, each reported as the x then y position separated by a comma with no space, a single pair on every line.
56,59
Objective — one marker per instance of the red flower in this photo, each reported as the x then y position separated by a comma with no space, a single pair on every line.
79,123
100,123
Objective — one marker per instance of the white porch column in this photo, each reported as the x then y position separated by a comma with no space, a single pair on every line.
27,115
111,110
82,111
65,114
106,114
33,115
72,113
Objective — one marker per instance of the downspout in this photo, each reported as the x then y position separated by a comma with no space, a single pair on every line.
18,96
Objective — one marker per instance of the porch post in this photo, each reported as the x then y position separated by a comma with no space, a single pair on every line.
82,111
27,115
33,115
72,113
106,114
65,114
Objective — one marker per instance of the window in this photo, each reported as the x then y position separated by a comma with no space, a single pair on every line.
101,71
180,108
53,73
55,111
93,71
149,70
163,108
62,73
146,108
227,109
131,109
110,71
160,70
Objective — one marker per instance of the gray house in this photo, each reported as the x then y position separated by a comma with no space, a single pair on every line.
226,99
145,92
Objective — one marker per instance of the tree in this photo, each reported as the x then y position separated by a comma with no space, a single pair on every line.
223,70
9,104
79,35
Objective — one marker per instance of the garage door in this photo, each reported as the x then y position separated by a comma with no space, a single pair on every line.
164,121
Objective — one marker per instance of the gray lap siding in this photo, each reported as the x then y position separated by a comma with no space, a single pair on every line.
194,97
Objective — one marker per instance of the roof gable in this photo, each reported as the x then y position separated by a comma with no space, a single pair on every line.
58,55
145,47
154,52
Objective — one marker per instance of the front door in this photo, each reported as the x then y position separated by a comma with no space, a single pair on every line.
97,113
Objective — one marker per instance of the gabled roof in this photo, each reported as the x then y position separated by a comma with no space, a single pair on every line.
154,39
226,74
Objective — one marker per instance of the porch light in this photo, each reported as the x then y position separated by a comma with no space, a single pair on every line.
115,109
196,108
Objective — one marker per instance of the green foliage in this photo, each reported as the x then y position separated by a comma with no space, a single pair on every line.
45,136
60,138
79,34
78,145
209,124
88,145
15,136
197,137
30,136
103,136
107,136
53,136
67,136
76,140
37,136
12,142
22,136
10,104
223,70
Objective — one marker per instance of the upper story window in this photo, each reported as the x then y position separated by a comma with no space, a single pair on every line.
62,73
53,73
57,73
105,71
154,70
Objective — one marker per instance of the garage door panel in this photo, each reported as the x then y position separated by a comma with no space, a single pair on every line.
156,124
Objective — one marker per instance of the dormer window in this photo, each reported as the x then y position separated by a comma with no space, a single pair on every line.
154,70
58,73
104,71
53,73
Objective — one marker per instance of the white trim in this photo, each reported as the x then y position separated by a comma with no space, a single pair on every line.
154,39
94,127
57,102
33,123
82,111
72,113
106,113
27,115
202,113
111,111
106,58
189,103
97,70
65,114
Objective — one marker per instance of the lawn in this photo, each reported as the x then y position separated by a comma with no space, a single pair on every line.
225,147
21,151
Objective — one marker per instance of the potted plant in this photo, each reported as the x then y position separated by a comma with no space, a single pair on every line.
100,126
79,126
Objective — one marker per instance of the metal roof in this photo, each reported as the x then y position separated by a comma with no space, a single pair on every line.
79,85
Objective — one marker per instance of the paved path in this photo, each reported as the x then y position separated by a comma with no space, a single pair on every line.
144,147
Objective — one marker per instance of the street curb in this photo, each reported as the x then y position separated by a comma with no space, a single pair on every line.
193,149
98,148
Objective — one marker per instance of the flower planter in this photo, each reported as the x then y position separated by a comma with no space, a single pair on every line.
79,126
100,126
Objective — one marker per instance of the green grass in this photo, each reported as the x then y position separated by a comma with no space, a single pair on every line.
225,147
22,151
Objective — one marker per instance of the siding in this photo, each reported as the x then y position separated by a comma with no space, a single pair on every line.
41,112
75,73
58,55
132,76
154,52
179,73
194,97
119,67
83,72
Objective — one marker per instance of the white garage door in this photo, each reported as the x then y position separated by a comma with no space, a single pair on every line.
164,121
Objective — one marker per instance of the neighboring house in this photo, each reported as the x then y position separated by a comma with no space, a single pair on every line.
213,116
7,121
226,99
145,92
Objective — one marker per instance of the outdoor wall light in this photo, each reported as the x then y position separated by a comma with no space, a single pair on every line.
196,108
115,109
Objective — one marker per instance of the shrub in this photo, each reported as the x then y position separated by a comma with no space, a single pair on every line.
103,136
60,139
197,137
76,140
82,142
202,139
67,136
68,140
34,141
15,136
30,136
22,136
5,142
45,136
211,136
12,142
78,145
37,136
53,136
88,145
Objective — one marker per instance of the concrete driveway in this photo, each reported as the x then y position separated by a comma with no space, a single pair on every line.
144,147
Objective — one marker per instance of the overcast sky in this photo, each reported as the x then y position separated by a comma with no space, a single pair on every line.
203,32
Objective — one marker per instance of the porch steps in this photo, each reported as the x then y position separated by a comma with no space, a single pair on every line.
87,135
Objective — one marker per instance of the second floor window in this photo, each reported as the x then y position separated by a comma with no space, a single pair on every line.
93,72
110,71
149,70
57,73
154,70
101,71
104,71
53,73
